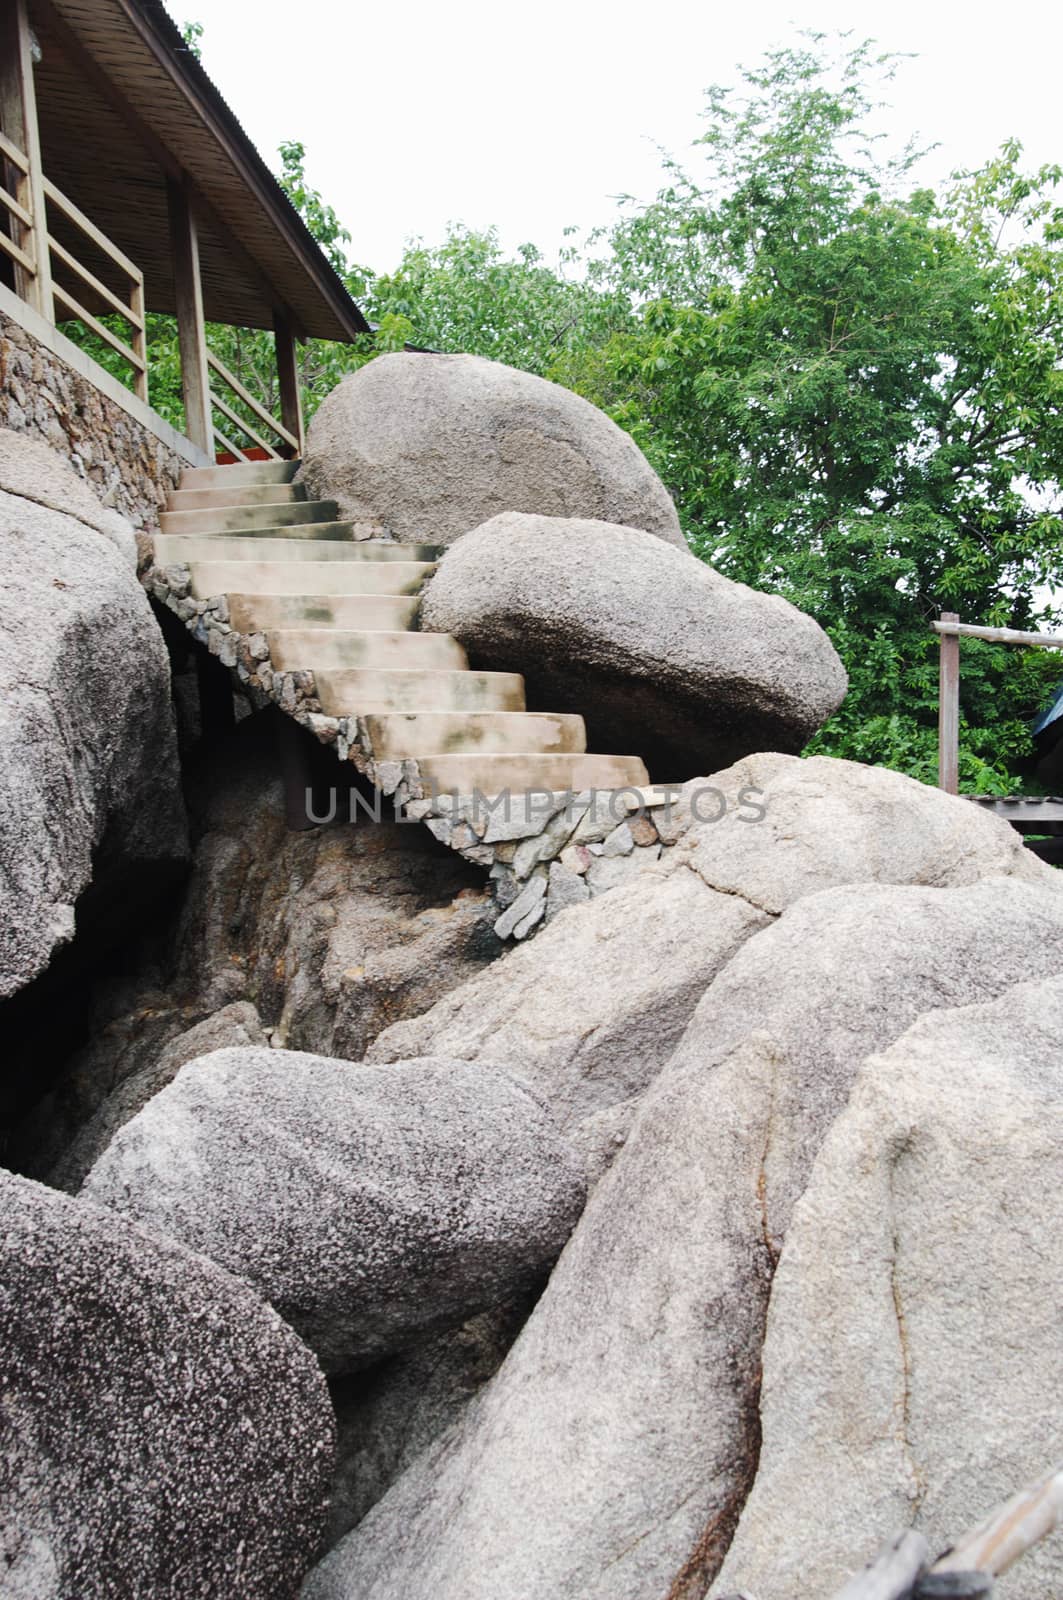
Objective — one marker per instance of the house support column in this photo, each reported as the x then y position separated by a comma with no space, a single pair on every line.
288,376
949,709
191,328
18,120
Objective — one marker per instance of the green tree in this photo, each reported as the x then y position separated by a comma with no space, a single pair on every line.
853,394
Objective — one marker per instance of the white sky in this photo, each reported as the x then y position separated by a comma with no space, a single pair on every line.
533,116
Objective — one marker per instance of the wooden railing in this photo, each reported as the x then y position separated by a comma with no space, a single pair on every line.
23,244
274,430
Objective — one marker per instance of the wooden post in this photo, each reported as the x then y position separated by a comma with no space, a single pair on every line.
288,376
191,328
18,118
949,710
893,1572
1015,1527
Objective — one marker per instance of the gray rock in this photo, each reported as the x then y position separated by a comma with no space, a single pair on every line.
429,446
89,784
233,1026
527,903
610,1456
33,471
666,658
591,1010
164,1432
371,1206
566,888
387,1416
805,825
911,1365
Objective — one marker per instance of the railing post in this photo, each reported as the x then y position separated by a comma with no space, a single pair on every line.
949,709
191,327
288,375
18,116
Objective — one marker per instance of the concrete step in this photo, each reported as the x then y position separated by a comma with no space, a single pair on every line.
248,519
294,577
249,494
333,649
431,733
171,547
517,773
357,613
359,692
238,472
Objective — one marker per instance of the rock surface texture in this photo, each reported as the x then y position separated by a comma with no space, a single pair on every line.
911,1365
88,763
611,1455
371,1206
164,1432
661,654
429,446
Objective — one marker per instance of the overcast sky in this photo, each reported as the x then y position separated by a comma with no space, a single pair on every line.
532,117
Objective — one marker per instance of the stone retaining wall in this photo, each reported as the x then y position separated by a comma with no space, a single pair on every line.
129,467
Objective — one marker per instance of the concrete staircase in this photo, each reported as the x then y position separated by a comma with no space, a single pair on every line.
347,610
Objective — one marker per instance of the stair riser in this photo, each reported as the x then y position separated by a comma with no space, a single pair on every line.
396,738
520,773
265,494
181,547
361,693
257,613
239,473
295,578
247,519
311,649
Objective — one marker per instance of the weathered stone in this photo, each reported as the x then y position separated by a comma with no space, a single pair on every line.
233,1026
608,872
34,471
164,1432
126,466
620,842
371,1206
387,1416
591,1010
526,902
808,825
642,830
922,1267
664,657
576,858
609,1458
565,888
89,786
433,445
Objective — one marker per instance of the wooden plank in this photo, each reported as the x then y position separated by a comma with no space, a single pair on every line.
893,1571
16,208
191,328
227,444
234,416
949,709
288,378
140,338
1007,1533
76,309
14,154
18,116
950,625
248,398
89,228
26,265
113,300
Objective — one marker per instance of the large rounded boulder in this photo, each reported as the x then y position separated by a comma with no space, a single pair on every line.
425,447
164,1432
665,657
371,1206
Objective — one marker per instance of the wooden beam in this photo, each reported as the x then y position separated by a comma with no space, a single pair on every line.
971,630
1015,1527
18,117
288,377
191,328
949,709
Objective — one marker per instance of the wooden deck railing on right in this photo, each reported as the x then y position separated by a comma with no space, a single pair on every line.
275,432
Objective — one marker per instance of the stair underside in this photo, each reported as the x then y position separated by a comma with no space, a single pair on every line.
346,610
